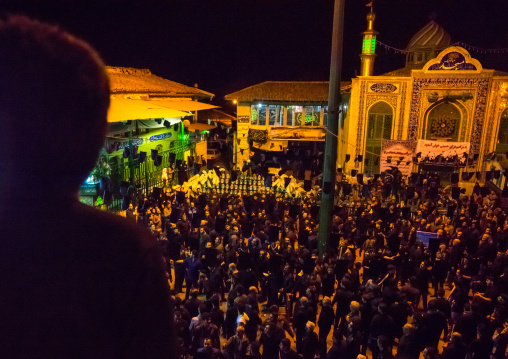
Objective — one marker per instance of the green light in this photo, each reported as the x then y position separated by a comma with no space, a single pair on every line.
369,44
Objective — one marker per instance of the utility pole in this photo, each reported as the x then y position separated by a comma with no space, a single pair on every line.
332,125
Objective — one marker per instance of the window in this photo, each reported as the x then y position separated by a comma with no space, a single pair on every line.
290,119
312,115
262,115
379,122
298,116
308,115
443,123
502,135
254,115
272,114
379,127
258,113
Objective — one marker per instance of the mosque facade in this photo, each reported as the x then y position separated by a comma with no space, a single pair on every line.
442,112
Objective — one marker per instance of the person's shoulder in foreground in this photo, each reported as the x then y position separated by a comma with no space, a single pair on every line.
80,281
74,282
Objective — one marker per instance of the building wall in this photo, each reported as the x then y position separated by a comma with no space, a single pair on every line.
242,135
366,92
479,96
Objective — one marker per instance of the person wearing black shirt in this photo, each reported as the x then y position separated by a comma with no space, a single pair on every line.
325,323
381,325
455,348
208,351
408,347
310,342
436,323
286,352
339,347
270,340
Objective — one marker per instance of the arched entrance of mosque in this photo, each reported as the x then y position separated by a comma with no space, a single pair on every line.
379,127
502,134
443,122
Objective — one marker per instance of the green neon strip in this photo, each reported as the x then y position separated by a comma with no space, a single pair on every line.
369,44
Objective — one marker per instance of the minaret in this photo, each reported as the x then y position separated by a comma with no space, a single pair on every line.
369,45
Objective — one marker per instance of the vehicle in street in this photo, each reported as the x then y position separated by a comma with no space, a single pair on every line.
212,154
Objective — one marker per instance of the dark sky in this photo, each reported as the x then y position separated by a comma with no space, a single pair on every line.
227,45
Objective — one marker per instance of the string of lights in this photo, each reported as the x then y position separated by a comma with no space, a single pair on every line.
458,43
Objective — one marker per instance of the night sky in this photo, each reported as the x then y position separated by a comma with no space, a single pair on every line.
227,45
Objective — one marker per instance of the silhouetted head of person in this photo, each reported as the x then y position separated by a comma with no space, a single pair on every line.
54,98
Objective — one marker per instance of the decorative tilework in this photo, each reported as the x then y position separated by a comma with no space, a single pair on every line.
481,83
392,100
383,87
402,110
360,119
453,61
491,121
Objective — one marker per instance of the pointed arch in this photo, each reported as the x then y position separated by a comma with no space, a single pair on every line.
443,121
379,127
502,134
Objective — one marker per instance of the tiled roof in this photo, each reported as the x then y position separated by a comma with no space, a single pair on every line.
141,81
287,91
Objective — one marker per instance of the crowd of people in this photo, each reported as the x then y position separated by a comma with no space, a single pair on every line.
379,291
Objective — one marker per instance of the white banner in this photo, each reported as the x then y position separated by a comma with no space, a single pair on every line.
432,149
397,154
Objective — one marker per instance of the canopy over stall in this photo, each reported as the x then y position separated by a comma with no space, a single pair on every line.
182,104
122,109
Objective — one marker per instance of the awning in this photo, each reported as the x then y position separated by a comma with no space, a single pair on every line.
114,128
122,109
200,127
183,105
155,124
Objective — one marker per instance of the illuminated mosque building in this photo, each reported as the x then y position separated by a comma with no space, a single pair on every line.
441,112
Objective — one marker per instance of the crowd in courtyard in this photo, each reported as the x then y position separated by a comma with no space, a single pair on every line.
379,290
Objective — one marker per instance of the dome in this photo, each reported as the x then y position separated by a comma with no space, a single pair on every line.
431,36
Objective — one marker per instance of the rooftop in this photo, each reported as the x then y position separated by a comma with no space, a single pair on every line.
215,115
125,80
287,91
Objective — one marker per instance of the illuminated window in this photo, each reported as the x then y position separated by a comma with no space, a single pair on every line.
254,115
262,115
369,44
272,114
502,135
258,114
379,127
290,118
312,115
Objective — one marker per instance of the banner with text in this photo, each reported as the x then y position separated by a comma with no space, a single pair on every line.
432,149
397,154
